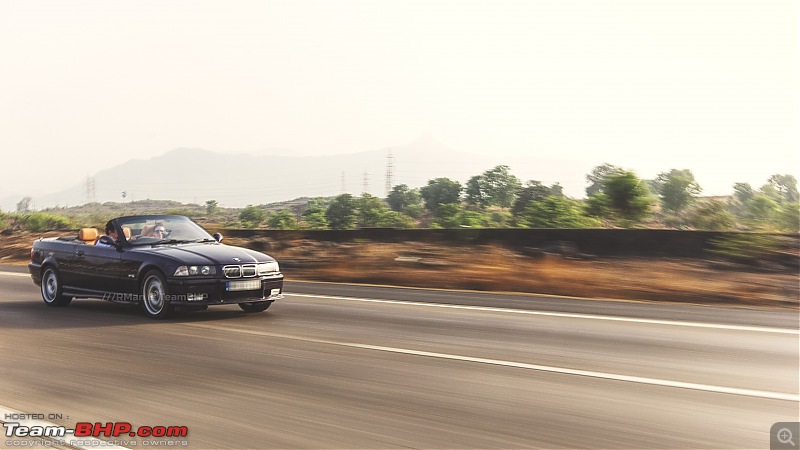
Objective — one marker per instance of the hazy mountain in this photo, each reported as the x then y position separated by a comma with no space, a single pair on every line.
196,175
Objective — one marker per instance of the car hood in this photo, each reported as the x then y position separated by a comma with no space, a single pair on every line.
208,254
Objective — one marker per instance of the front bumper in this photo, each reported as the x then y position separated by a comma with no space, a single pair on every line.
198,291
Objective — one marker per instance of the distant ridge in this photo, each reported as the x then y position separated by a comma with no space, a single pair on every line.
194,175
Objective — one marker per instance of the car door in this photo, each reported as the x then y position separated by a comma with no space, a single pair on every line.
65,256
97,268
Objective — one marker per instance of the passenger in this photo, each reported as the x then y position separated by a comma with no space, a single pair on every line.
157,231
110,238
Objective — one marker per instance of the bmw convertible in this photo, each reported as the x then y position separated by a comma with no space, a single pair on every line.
158,261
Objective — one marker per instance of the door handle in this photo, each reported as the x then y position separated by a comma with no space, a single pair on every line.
80,252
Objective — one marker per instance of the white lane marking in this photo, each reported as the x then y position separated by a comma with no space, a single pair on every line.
519,365
719,326
7,414
15,274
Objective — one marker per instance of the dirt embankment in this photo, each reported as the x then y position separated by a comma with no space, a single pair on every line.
500,269
483,267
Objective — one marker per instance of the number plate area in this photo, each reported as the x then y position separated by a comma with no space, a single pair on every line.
243,285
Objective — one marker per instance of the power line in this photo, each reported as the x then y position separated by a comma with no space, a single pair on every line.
389,172
91,190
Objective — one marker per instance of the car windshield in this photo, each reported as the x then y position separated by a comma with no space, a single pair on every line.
162,229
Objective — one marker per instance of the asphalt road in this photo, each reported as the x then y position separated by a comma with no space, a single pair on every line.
338,366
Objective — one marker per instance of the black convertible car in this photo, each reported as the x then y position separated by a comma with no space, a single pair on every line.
157,261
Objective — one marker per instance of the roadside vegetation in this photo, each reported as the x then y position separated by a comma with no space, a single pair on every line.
615,198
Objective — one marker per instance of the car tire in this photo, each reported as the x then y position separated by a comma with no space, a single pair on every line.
52,290
255,307
155,296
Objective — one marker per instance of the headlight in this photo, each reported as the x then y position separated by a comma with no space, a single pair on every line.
270,267
184,271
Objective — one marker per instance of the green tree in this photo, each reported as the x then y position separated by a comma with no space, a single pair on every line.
628,198
711,215
597,178
341,213
314,215
743,192
212,206
371,210
475,195
405,200
440,191
677,189
556,212
495,187
786,187
24,205
447,216
500,219
556,190
533,191
315,220
771,191
788,218
761,209
252,216
282,220
598,206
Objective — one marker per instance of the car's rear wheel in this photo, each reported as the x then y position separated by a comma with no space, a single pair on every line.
52,290
255,307
155,297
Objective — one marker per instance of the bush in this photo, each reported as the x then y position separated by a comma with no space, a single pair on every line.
252,216
394,219
747,248
557,212
711,215
181,212
45,222
788,218
283,220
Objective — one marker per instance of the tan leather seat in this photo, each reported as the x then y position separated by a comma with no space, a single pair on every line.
127,232
147,231
88,235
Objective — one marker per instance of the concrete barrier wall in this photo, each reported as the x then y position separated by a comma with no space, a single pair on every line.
601,242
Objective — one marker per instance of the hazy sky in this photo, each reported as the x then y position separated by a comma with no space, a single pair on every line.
649,85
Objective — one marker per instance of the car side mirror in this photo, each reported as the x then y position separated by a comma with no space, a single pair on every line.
217,237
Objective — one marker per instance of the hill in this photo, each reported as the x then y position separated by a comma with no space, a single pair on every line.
192,175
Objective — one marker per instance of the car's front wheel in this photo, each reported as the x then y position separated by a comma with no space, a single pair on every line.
255,307
155,297
52,290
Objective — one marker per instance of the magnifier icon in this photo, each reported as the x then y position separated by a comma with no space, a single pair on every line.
784,436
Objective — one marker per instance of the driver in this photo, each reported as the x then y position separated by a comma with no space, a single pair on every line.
110,239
